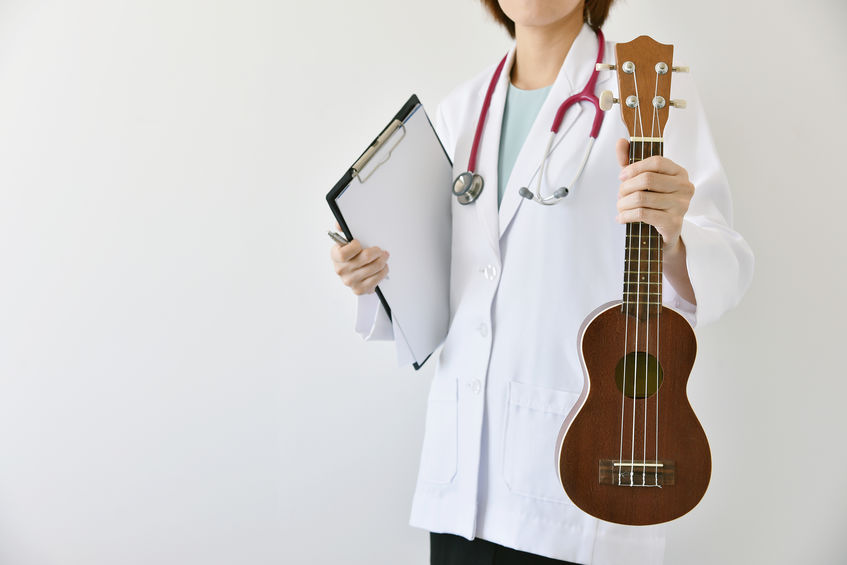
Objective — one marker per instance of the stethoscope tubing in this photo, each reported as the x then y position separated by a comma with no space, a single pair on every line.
483,113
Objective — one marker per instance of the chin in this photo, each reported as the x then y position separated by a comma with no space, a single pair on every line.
541,13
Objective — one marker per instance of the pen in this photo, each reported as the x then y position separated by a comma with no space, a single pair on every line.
337,238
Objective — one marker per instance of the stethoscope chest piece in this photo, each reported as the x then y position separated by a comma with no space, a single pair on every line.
467,187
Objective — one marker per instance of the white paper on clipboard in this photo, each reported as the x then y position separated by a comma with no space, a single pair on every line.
400,202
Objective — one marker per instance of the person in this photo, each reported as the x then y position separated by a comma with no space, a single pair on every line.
525,276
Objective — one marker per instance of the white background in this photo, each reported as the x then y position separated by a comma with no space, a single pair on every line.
179,377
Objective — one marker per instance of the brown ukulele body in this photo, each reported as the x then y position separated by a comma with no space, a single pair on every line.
615,466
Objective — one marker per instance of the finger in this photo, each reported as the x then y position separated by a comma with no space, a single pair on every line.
655,182
366,257
368,285
349,251
348,270
644,199
369,269
337,226
648,216
622,151
656,164
342,253
668,225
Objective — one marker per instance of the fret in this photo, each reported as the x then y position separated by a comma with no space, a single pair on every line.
630,289
656,293
641,273
640,150
635,294
648,283
643,246
644,234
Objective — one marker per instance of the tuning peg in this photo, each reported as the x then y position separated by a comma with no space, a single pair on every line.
681,104
680,69
604,67
606,100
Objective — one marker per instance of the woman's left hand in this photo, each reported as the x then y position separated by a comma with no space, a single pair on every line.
655,191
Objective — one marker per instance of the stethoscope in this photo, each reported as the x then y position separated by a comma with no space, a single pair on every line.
468,185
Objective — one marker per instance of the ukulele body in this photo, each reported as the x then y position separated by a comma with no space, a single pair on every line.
612,463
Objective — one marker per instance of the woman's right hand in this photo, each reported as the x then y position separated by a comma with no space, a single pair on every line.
360,269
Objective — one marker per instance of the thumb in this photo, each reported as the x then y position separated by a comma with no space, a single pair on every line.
622,151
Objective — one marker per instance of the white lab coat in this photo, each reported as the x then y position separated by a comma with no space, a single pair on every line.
522,280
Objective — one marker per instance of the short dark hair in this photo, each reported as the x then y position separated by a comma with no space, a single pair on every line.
594,13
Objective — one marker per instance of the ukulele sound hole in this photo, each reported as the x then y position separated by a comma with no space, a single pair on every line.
638,375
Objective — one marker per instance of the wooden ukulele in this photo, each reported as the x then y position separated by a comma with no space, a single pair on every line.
632,451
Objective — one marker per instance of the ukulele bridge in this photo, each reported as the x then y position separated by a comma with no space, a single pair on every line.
637,473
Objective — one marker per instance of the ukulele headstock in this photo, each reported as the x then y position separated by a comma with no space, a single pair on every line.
644,68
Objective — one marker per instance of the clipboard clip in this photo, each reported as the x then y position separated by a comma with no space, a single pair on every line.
359,165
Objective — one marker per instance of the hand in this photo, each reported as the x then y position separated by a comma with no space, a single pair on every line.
655,191
360,269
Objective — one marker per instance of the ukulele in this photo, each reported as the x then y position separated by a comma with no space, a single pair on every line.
632,451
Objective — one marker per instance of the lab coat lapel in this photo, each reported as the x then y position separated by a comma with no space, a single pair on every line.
574,74
489,155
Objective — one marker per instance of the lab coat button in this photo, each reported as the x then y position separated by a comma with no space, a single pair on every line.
489,272
483,330
476,386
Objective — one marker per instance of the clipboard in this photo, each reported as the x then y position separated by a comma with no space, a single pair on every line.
405,165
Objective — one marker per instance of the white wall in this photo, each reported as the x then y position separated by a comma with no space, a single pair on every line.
179,378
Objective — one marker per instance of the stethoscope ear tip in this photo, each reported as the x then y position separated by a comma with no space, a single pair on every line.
558,195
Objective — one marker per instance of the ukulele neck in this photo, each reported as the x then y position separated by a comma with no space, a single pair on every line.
642,288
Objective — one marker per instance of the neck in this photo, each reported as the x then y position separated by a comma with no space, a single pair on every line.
541,50
642,289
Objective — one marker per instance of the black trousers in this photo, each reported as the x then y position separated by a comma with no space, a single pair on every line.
447,549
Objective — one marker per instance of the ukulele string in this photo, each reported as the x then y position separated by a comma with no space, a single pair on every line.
639,127
627,279
658,120
627,314
650,272
648,305
658,332
628,272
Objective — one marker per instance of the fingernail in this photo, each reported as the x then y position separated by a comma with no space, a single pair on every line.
622,176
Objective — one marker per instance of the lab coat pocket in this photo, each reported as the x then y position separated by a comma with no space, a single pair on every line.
440,444
534,418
